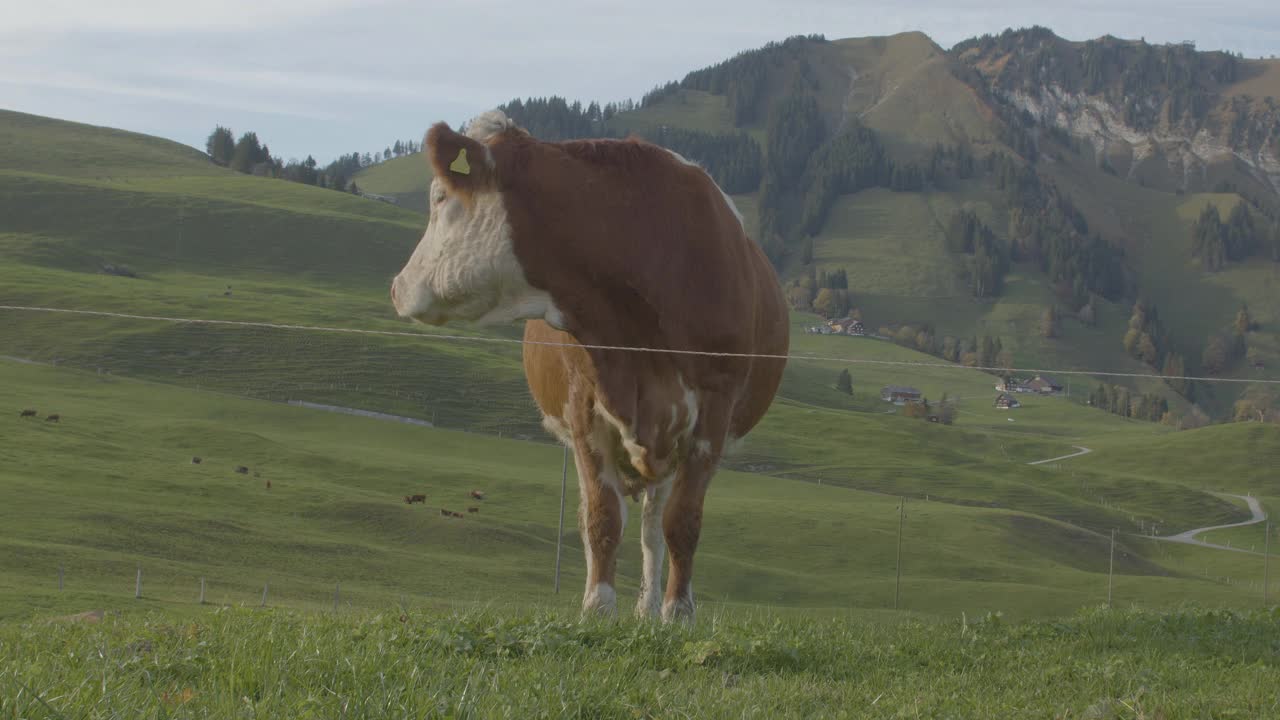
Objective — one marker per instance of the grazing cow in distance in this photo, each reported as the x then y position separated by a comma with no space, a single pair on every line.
408,500
473,509
27,413
450,513
599,245
196,460
418,498
54,418
242,470
477,494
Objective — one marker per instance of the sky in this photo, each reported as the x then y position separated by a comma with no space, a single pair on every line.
325,77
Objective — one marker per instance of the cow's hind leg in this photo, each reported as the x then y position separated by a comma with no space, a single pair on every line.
654,545
682,525
601,519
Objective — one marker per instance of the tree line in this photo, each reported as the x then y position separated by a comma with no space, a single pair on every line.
1119,400
1215,242
1047,228
988,257
734,159
251,156
745,78
1149,83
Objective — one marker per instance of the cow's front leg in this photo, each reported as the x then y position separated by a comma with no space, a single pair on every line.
601,519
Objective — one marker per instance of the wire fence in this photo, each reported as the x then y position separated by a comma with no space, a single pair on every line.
1073,531
1122,583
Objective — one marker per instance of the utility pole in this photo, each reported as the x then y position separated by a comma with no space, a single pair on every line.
897,583
564,476
1111,572
1266,561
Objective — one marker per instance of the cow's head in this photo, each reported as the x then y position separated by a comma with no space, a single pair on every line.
465,266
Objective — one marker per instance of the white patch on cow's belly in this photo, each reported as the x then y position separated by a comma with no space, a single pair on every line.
558,429
625,432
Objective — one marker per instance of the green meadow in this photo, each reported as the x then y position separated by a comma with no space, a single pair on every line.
854,561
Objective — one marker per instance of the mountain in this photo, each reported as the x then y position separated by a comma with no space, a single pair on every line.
1165,116
1047,192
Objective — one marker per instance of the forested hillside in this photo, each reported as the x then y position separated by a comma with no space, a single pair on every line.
1049,192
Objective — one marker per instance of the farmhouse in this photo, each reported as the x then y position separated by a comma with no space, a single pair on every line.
847,326
1044,385
900,394
1005,401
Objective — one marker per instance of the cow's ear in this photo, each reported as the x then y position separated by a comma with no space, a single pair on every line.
462,163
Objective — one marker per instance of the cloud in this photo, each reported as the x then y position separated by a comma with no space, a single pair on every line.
153,15
349,75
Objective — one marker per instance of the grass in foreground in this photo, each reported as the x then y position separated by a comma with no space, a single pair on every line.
406,663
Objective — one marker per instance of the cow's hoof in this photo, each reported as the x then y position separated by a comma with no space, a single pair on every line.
678,611
600,600
649,608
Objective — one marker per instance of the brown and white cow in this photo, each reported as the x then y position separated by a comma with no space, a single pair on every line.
609,243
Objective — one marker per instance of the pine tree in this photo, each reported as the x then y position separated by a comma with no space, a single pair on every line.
1216,355
1244,322
1049,323
844,383
221,145
1174,369
248,152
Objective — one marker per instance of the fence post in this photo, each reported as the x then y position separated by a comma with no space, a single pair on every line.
60,571
897,582
264,593
564,476
201,591
1111,571
336,589
137,587
1266,557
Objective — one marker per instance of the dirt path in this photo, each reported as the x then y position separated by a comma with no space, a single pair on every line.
1083,451
1189,537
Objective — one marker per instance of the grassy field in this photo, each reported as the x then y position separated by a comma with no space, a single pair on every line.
994,531
415,662
112,488
406,178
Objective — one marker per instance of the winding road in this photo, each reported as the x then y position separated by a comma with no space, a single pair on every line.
1083,451
1189,537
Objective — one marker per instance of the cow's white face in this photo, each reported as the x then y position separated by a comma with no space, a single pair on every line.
465,266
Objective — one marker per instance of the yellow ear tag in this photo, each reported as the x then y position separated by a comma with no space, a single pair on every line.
460,165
